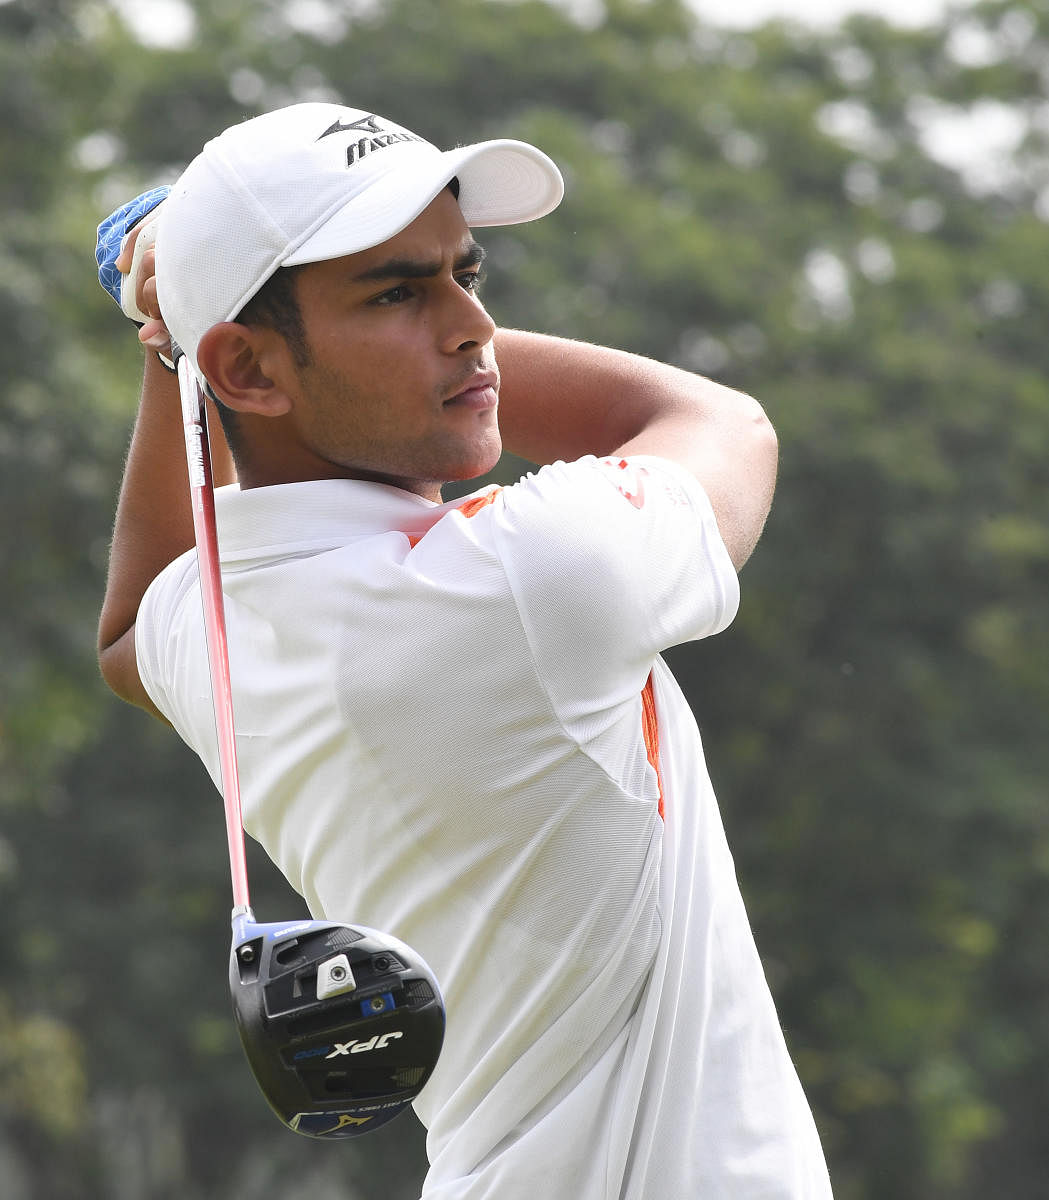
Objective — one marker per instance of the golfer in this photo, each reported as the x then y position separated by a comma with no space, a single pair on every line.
453,722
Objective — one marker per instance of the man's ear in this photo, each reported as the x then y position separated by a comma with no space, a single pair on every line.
230,356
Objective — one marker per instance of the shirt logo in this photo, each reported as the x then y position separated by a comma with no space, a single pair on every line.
362,147
630,482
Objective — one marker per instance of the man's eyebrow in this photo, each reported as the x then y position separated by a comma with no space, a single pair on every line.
413,268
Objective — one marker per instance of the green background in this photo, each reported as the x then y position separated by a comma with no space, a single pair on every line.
763,206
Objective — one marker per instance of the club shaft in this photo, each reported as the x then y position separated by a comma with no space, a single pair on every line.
202,494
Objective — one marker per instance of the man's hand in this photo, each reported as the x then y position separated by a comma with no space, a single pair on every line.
127,265
137,262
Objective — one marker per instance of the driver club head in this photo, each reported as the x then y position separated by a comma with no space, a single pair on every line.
342,1025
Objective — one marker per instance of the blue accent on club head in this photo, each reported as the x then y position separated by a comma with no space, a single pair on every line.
247,929
377,1004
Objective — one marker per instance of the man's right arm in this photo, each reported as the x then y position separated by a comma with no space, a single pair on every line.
154,520
154,525
562,399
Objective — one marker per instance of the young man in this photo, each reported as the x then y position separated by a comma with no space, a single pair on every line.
453,720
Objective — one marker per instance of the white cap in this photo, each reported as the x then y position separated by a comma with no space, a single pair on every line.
313,182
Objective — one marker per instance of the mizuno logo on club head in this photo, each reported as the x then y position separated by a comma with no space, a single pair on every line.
365,124
355,1047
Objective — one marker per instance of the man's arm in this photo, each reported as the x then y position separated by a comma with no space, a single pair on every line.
154,521
154,524
561,399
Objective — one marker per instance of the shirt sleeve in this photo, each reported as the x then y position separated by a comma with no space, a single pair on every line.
167,646
611,562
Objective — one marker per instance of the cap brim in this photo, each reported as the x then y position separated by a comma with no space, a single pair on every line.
501,182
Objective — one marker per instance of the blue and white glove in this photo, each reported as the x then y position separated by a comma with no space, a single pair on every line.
112,234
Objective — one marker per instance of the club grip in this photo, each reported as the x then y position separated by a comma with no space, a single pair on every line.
146,240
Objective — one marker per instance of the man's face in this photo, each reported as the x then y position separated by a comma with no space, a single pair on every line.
402,385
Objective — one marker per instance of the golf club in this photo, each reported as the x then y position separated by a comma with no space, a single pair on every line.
342,1025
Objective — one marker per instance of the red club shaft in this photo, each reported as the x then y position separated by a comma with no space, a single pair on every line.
202,492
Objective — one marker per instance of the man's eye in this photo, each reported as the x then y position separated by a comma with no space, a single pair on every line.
471,281
396,295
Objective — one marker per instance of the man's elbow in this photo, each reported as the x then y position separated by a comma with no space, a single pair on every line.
762,433
759,444
760,466
119,668
112,675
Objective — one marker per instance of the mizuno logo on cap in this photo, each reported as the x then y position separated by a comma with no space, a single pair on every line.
367,145
364,124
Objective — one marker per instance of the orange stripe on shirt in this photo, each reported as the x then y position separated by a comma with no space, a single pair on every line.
649,721
469,508
650,728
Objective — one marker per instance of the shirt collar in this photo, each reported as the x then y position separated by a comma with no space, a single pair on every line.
316,514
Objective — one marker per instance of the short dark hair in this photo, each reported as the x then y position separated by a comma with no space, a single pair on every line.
276,306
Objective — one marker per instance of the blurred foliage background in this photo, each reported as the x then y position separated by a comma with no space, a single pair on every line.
851,225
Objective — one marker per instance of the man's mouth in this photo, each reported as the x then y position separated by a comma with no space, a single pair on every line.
479,391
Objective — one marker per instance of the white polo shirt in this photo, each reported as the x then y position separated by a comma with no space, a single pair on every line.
453,724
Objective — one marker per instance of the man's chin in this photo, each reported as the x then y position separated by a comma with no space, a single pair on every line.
484,459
